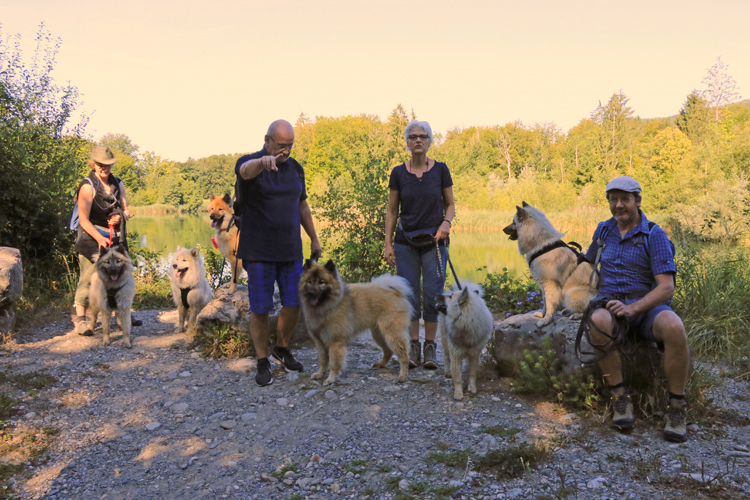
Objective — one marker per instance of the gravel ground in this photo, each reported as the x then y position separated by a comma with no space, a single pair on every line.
158,421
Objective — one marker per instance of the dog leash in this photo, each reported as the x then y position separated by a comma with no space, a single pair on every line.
440,263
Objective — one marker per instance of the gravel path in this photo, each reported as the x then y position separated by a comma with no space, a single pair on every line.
158,421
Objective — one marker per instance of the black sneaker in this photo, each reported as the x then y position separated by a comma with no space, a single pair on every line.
430,355
284,355
264,376
415,354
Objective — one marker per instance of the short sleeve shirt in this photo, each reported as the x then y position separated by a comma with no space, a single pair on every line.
625,263
421,200
270,220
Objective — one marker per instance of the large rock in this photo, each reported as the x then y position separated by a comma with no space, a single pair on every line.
11,276
519,333
234,309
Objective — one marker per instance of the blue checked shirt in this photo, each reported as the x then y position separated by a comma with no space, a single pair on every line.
625,266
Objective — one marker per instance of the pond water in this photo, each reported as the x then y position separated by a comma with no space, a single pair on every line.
470,251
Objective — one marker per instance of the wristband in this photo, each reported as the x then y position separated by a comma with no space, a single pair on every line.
449,222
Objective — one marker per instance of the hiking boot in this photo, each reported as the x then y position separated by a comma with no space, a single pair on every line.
415,354
81,324
284,355
623,416
264,376
430,355
676,429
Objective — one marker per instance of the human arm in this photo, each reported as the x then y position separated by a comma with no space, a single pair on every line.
391,216
252,168
305,217
115,219
450,212
661,294
85,199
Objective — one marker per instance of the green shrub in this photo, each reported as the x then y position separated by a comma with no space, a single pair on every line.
507,295
220,339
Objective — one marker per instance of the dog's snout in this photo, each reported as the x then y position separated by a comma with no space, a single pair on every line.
174,266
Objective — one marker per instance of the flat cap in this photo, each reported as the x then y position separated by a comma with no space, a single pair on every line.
624,183
103,155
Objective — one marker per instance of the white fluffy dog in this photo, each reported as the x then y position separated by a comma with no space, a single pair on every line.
190,289
466,326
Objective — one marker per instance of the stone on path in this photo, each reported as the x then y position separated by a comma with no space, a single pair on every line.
228,424
153,426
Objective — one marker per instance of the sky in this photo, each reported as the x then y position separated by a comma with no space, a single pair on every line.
194,78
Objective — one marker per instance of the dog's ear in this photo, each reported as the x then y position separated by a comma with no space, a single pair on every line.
102,251
330,267
520,213
211,197
227,198
121,249
524,204
178,249
307,265
195,252
464,297
440,299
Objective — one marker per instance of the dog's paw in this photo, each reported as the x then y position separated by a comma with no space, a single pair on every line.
127,345
576,316
448,374
543,323
401,379
538,314
458,394
329,381
378,365
472,388
232,288
318,376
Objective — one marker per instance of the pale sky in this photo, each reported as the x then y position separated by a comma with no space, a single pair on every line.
194,78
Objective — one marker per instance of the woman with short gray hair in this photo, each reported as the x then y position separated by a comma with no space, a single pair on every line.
421,200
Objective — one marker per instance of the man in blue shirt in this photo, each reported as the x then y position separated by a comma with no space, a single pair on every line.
637,282
274,206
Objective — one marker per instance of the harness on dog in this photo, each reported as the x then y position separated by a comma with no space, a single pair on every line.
572,246
112,296
184,296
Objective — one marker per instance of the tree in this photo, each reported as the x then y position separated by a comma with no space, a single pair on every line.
128,167
721,89
41,153
615,122
694,117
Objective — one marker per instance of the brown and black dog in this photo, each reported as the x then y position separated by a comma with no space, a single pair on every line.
227,233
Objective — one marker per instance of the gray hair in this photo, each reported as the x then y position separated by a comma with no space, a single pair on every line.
417,124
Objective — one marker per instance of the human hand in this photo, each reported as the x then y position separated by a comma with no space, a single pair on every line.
620,310
102,241
443,231
315,250
390,256
269,162
114,220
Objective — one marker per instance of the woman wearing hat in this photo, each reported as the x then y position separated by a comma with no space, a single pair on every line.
102,211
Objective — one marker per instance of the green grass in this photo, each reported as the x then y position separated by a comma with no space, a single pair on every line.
8,406
513,461
27,381
294,467
220,339
391,482
444,492
500,431
450,458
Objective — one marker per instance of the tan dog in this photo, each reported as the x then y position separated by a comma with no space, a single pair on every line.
112,290
466,326
227,234
566,283
335,312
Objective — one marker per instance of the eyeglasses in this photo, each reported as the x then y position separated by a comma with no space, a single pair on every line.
103,166
624,200
414,137
288,147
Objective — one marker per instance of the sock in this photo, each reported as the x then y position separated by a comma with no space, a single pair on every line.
676,397
615,388
429,342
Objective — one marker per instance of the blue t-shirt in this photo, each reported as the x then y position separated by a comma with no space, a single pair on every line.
625,265
420,200
270,221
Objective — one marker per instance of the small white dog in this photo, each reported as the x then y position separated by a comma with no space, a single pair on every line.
466,326
190,289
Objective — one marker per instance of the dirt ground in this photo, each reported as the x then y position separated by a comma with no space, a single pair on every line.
160,421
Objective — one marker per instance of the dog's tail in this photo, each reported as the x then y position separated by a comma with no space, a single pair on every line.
395,282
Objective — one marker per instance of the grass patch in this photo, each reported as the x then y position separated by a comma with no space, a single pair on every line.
356,466
8,406
279,474
450,458
418,488
7,472
223,340
444,492
514,461
391,482
500,431
28,381
384,468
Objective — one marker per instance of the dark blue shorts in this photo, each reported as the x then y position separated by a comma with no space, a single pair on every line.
642,324
261,277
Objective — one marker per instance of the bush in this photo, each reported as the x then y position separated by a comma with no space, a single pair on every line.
507,295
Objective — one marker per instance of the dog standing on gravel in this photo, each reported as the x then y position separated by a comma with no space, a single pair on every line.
112,290
227,233
190,289
466,326
562,273
335,312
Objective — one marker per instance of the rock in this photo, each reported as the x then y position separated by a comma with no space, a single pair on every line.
292,376
265,477
228,424
242,365
331,394
282,401
304,482
153,426
234,309
487,444
596,483
316,458
30,415
349,475
739,447
11,276
246,417
697,476
514,493
391,388
336,488
195,355
403,484
179,407
456,484
185,374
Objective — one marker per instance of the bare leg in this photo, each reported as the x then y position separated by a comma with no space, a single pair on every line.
288,318
668,328
430,330
259,331
414,330
611,365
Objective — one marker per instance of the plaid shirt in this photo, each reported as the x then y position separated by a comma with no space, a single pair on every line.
625,264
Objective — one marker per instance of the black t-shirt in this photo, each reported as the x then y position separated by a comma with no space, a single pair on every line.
102,207
420,200
270,221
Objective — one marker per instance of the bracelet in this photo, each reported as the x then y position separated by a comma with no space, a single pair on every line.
449,222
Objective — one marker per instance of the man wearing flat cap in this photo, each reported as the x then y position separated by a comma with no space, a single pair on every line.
636,285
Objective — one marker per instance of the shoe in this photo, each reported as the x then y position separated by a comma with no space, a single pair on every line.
287,360
264,376
134,321
415,354
430,356
81,324
676,430
623,417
